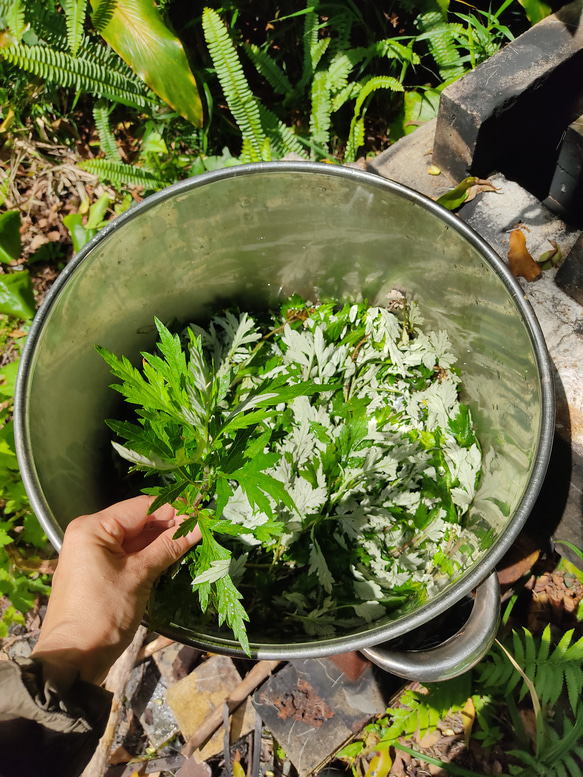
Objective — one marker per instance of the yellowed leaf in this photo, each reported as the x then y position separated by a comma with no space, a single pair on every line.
380,764
520,261
238,770
433,170
468,717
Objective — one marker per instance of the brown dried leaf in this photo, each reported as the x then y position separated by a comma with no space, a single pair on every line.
520,261
478,187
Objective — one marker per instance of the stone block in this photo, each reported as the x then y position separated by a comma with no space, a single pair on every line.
566,192
194,698
509,114
569,277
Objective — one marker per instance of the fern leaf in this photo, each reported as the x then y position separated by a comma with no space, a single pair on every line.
75,13
356,133
103,11
79,72
281,138
574,683
269,69
106,136
440,36
573,768
239,97
120,174
13,13
310,42
545,644
321,110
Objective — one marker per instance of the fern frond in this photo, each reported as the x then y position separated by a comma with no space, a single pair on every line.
103,13
392,49
239,97
75,13
341,23
269,69
321,110
79,72
106,136
440,36
356,133
281,138
120,174
13,13
311,27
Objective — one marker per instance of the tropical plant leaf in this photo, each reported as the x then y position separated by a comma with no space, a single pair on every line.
135,30
102,13
10,243
16,295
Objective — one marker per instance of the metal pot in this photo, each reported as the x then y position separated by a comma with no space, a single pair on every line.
251,235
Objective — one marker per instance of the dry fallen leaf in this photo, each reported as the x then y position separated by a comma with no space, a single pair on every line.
433,170
520,261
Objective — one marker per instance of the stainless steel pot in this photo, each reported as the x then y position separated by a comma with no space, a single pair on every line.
251,235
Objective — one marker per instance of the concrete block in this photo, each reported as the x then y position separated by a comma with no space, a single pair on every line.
569,276
509,114
566,192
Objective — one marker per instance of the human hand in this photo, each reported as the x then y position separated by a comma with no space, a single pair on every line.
108,564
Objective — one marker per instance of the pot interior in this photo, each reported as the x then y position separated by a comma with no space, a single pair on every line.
252,236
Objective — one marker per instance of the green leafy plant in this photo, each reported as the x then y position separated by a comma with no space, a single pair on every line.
550,676
325,81
328,447
22,541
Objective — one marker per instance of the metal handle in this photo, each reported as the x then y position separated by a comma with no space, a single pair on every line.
458,653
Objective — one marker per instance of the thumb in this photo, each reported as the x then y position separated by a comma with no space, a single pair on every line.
165,550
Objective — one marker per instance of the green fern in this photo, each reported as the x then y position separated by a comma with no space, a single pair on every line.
269,69
356,134
75,13
282,140
320,115
120,174
102,13
239,97
82,73
549,671
14,15
441,37
557,757
106,136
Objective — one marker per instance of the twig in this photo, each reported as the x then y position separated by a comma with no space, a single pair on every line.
116,681
256,676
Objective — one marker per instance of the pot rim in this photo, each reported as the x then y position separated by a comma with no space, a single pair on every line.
442,601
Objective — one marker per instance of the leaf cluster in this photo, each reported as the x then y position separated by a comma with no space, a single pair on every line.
550,674
329,448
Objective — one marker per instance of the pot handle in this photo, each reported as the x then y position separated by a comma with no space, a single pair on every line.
458,653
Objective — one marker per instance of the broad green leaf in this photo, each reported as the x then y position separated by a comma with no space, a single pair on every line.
535,10
8,378
10,244
16,295
137,33
80,235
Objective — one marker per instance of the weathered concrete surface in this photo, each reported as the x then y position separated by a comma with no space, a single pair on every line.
509,113
493,216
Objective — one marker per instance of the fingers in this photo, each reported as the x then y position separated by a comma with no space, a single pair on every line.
165,550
